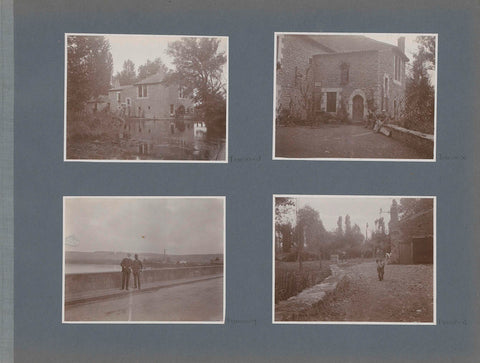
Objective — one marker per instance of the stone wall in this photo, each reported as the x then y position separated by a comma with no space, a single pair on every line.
362,78
417,140
293,53
158,102
396,88
82,282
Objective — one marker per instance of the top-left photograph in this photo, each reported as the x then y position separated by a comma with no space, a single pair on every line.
146,98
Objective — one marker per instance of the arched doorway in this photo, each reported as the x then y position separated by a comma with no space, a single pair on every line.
180,110
357,109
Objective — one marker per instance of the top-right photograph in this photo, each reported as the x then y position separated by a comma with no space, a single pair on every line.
355,96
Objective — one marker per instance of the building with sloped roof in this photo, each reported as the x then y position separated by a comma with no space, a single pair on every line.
151,98
334,73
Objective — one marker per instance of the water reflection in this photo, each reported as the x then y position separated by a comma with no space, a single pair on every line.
164,139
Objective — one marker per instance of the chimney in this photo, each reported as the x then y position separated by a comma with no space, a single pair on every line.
401,44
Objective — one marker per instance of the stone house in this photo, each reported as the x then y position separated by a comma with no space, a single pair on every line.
412,239
336,74
151,99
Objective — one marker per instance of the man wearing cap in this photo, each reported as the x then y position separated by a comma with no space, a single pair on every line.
126,265
136,268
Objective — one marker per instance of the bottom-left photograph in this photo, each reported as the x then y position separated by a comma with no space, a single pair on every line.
143,260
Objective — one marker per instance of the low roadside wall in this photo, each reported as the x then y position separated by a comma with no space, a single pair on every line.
299,306
81,282
417,140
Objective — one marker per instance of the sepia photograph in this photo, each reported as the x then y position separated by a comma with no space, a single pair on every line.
354,259
146,98
355,96
144,260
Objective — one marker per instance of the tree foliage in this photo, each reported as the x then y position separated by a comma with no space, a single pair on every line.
89,69
127,75
411,206
311,225
151,68
198,68
308,235
420,93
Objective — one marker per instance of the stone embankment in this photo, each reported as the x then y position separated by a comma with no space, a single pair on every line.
309,299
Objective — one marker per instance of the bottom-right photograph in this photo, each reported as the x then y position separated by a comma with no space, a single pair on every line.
342,259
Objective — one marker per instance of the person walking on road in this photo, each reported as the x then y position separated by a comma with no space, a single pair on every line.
136,268
126,265
380,268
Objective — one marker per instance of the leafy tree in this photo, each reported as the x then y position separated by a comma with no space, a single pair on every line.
426,51
420,93
310,233
286,231
309,220
89,69
411,206
151,68
284,214
198,67
339,230
348,225
128,74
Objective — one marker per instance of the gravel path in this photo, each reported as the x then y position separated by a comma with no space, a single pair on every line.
405,295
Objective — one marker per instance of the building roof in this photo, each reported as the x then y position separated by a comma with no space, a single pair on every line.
119,88
156,78
339,43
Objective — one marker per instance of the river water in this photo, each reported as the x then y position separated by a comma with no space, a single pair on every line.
72,268
162,139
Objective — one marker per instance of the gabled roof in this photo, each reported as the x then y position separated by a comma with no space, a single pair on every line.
339,43
156,78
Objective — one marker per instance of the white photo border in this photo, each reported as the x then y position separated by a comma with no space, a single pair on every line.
226,38
140,322
434,322
274,157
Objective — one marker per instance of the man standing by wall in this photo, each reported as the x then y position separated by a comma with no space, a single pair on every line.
136,268
126,265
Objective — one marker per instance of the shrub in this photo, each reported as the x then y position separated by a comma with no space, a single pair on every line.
83,125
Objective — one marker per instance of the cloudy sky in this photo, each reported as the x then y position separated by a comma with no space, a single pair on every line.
140,48
180,225
362,210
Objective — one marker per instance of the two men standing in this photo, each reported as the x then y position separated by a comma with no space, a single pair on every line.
128,266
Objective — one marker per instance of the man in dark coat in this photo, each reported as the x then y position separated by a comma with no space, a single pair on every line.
136,268
126,265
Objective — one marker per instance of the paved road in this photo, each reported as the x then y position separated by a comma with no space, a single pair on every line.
199,301
405,295
340,141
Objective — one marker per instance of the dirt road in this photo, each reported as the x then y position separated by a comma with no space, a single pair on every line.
405,295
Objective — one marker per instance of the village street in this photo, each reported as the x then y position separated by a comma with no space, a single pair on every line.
339,141
405,295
